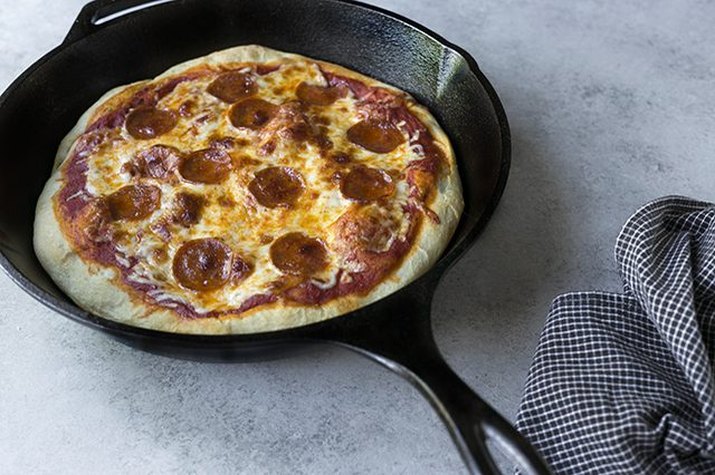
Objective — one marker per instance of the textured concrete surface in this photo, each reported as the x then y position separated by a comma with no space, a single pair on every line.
611,104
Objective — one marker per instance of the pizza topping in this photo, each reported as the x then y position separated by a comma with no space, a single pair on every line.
210,166
366,238
375,136
226,201
358,88
290,123
187,208
202,264
156,162
319,95
297,254
361,229
233,86
277,187
202,119
149,122
337,177
354,223
240,269
159,254
161,229
91,221
367,184
134,202
252,113
146,97
383,106
226,143
187,108
263,69
340,157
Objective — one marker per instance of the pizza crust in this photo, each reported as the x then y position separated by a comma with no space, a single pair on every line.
94,288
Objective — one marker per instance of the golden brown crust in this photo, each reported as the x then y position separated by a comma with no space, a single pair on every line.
97,288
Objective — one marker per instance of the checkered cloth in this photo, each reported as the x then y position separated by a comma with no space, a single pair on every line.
624,383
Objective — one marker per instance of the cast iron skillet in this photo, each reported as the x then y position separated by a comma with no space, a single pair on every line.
105,49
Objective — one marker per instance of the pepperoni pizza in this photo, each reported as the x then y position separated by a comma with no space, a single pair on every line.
246,191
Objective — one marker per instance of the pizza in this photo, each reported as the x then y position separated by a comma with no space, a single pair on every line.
249,190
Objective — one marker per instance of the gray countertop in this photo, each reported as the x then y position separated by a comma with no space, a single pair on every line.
611,104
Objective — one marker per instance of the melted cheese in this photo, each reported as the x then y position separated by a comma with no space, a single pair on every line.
245,224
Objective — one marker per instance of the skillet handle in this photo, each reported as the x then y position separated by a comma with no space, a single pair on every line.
89,19
397,333
471,421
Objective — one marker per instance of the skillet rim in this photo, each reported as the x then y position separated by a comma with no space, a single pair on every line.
430,278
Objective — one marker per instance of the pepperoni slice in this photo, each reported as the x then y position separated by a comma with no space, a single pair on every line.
276,186
133,202
252,113
187,208
364,229
202,264
378,137
233,86
92,220
319,95
367,184
298,254
148,122
210,166
156,162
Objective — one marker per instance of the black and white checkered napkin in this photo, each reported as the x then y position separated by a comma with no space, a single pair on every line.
624,383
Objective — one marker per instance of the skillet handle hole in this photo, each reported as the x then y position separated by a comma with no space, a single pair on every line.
96,14
117,9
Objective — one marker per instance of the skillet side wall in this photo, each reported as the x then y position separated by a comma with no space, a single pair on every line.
43,105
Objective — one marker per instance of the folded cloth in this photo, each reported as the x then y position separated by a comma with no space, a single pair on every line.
623,383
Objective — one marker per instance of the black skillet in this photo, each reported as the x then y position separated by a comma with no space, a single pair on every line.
107,47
